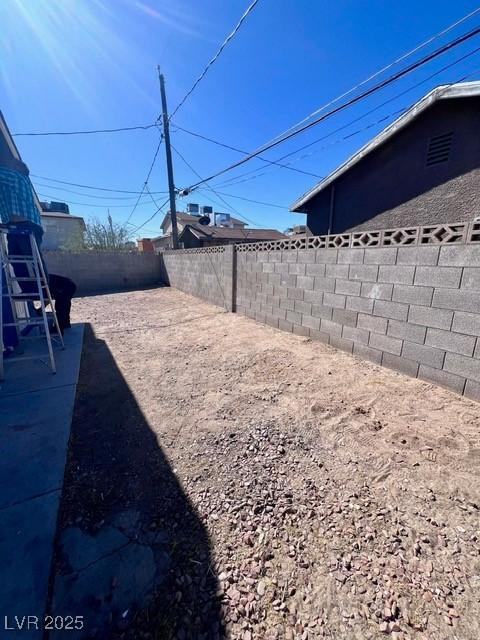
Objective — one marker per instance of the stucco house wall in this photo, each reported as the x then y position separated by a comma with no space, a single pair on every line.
61,232
392,186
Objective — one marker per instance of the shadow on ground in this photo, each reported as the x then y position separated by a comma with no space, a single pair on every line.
132,556
91,293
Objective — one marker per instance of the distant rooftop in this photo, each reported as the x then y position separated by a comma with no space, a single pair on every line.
227,233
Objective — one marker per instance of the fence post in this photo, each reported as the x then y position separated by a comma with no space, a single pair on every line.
231,277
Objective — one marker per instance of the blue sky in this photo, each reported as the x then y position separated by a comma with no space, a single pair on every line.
88,64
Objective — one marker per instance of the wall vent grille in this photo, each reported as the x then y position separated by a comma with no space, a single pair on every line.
439,148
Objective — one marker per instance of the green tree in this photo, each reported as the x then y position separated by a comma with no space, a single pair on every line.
109,236
75,242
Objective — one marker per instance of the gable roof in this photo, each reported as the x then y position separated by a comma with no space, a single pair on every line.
186,218
443,92
226,233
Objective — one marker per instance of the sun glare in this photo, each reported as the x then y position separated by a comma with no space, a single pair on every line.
83,42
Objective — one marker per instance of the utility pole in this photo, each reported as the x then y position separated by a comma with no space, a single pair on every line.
168,153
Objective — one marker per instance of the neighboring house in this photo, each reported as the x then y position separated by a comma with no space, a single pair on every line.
62,229
197,235
145,245
164,241
422,169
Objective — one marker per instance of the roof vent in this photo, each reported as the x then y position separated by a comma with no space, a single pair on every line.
439,149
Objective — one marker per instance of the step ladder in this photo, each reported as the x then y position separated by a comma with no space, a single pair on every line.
39,291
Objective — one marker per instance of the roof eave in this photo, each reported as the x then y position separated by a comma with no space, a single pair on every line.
54,214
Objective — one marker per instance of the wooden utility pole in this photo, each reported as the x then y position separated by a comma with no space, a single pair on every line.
168,153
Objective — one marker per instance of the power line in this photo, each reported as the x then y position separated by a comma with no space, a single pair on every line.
151,217
233,181
230,182
149,193
346,137
342,107
89,204
229,206
266,204
227,146
148,230
81,133
343,95
198,135
385,68
209,187
87,186
80,193
216,56
352,101
159,208
149,173
236,181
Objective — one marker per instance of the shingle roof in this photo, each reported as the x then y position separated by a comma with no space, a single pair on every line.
459,90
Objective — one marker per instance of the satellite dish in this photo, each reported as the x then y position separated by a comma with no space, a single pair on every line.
205,220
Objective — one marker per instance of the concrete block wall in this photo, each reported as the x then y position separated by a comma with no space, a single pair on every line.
413,309
205,273
95,271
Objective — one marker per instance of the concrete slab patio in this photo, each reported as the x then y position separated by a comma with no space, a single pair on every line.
36,411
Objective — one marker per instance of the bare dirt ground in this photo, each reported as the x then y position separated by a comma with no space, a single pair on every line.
337,499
